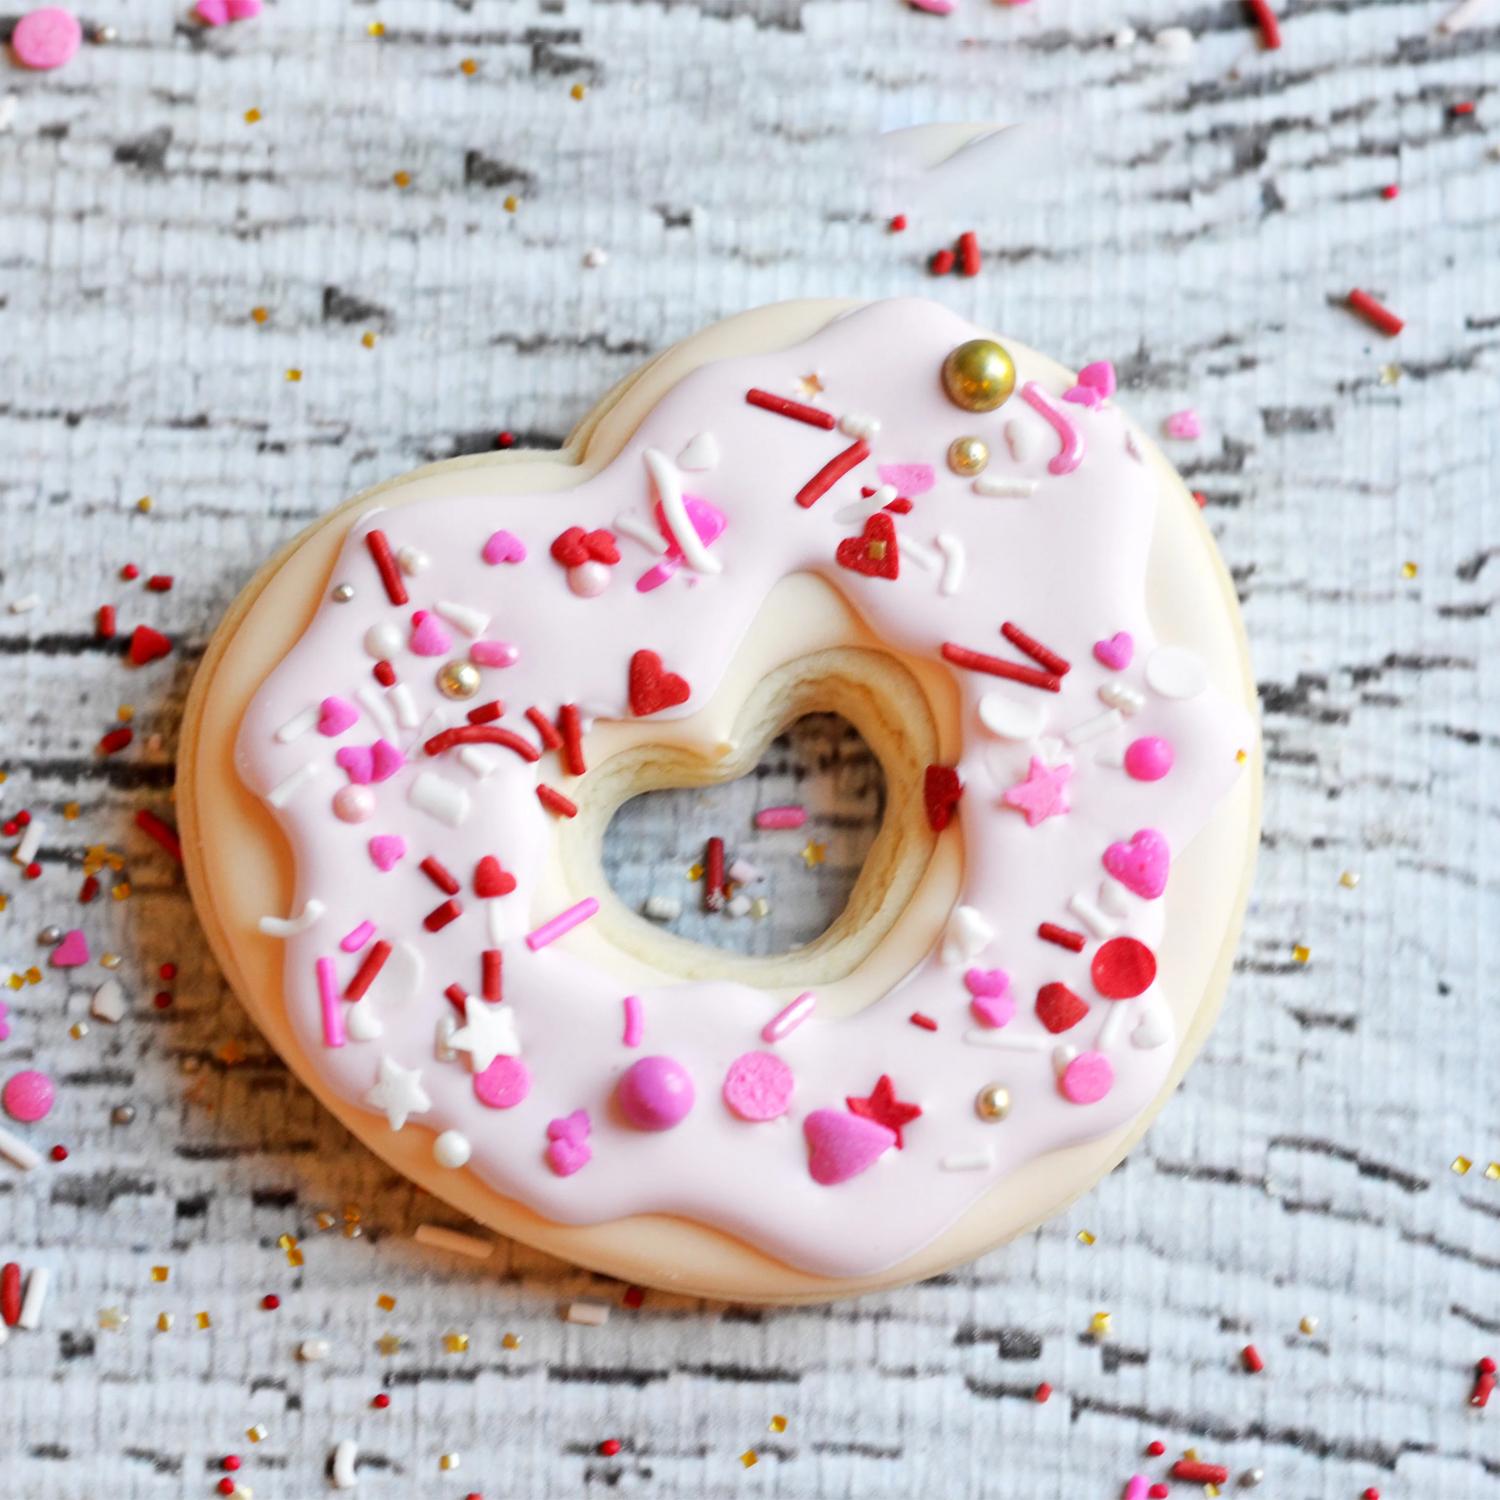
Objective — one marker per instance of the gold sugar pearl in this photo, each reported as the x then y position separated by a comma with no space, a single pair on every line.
968,456
458,679
979,375
992,1102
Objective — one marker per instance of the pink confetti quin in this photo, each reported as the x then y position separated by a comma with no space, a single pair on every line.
758,1086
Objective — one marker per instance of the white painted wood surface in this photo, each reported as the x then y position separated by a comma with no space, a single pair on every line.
1196,219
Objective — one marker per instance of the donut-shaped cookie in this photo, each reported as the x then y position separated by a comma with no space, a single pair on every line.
409,734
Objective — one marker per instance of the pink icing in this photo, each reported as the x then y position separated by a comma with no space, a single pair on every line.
759,1183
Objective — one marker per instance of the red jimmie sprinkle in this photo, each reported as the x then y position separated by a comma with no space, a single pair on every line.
104,622
482,734
385,674
160,583
1064,937
897,224
270,1302
458,998
440,916
116,739
1265,18
381,1401
230,1461
831,472
486,713
1466,107
968,253
1043,1392
364,976
490,986
812,415
10,1293
544,727
555,802
570,722
1035,649
130,572
1391,190
1484,1388
89,889
925,1022
609,1447
1373,313
1200,1473
1253,1362
59,1153
390,574
942,262
1158,1492
713,875
226,1486
162,832
439,876
977,661
1156,1448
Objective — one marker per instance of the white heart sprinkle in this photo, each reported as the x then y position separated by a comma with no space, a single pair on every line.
1151,1031
413,560
702,452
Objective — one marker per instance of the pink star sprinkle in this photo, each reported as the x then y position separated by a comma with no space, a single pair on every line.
1042,794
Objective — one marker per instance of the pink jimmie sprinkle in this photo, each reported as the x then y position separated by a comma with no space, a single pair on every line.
328,993
494,654
353,941
564,921
1070,455
1137,1487
787,1020
633,1022
781,817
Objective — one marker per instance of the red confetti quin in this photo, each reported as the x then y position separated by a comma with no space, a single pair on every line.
1058,1008
1123,968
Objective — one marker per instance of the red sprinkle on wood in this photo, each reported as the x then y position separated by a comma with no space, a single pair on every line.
897,224
977,661
544,727
104,622
130,572
713,875
831,472
1466,107
1484,1385
385,674
942,262
146,645
770,401
968,253
570,723
491,960
1035,649
160,583
1265,18
482,734
440,916
486,713
1200,1473
89,889
439,876
1253,1362
1043,1393
390,574
1375,314
10,1293
1064,937
555,802
116,739
364,976
609,1447
925,1022
1391,190
162,832
634,1296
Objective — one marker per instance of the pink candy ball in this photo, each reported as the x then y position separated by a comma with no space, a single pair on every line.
28,1097
656,1093
46,38
353,804
504,1084
1149,759
758,1086
1088,1078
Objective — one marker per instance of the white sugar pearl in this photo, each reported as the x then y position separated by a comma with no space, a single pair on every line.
452,1149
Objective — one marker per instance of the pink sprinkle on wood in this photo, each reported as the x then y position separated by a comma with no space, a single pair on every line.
781,817
353,941
564,921
789,1018
633,1021
328,994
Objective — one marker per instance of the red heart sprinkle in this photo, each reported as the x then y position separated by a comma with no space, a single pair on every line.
490,879
147,644
873,552
571,547
1058,1008
652,687
1123,968
601,546
941,790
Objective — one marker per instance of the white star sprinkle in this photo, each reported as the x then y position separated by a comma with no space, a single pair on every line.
487,1032
399,1093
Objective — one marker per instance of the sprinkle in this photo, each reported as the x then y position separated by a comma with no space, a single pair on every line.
1084,1237
633,1021
160,832
1200,1473
814,853
1301,953
643,532
1100,1325
14,1149
1034,649
590,1314
1460,1166
1382,318
570,725
941,262
438,1238
767,401
284,791
789,1018
1253,1362
112,1320
270,1302
925,1022
563,922
440,916
545,728
379,710
482,734
511,1341
968,1161
439,876
104,622
787,816
456,1343
968,253
439,798
1042,1394
833,471
1064,937
749,1458
390,574
663,908
365,975
328,995
1265,18
977,661
357,937
668,485
449,1461
164,1322
555,802
284,927
1004,489
297,726
116,739
389,1345
713,875
1070,455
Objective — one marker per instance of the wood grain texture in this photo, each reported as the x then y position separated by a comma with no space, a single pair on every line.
1197,221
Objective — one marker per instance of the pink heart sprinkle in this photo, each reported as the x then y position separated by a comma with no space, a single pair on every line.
842,1145
386,760
909,479
387,850
1100,375
1142,865
987,982
1088,1078
428,638
1184,424
567,1157
335,716
1083,395
504,547
72,951
357,762
494,654
574,1127
993,1010
1117,652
